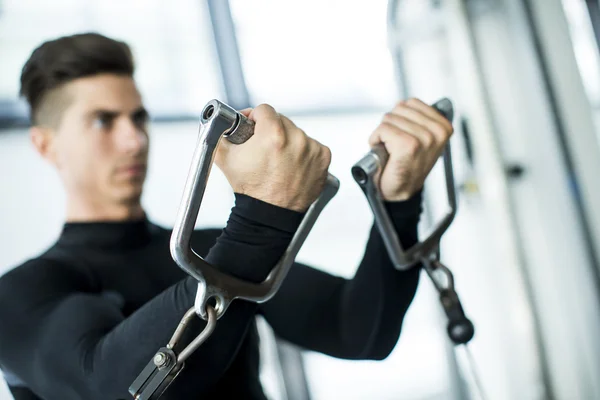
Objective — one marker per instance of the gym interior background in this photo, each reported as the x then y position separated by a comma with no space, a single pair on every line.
524,76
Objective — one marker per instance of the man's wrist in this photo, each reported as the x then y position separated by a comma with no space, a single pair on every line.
255,238
406,209
261,213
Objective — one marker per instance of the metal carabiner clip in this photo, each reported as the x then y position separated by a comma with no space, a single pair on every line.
218,120
164,367
366,173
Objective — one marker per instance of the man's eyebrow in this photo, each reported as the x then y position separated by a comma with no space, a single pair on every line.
140,112
112,114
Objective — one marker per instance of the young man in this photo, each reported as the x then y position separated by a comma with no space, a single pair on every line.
81,320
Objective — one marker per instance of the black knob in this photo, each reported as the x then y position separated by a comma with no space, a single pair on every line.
514,171
461,331
460,328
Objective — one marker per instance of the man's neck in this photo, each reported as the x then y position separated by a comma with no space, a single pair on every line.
82,211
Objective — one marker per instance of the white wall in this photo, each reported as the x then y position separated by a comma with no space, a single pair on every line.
31,215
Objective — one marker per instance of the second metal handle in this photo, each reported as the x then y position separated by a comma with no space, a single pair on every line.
366,173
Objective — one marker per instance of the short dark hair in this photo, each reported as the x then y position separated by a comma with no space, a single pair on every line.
59,61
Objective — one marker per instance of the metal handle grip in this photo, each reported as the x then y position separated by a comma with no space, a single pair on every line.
220,120
366,173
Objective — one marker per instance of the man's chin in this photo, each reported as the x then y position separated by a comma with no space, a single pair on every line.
131,194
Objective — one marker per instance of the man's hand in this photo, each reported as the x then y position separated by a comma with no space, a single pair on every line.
414,135
280,164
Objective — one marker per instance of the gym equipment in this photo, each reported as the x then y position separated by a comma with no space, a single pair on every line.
216,290
366,173
218,120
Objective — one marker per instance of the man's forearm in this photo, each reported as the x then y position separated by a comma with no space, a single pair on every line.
254,239
355,319
390,292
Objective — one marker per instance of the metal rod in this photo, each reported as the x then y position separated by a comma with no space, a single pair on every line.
201,338
191,313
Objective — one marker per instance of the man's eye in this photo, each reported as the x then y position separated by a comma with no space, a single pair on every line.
140,120
102,122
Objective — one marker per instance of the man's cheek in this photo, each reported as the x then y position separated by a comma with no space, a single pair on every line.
109,177
74,164
92,170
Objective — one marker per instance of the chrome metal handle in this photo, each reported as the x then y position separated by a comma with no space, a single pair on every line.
366,173
219,120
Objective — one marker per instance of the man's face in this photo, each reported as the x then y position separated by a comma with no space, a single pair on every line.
101,143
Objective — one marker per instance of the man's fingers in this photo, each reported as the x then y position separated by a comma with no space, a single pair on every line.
393,138
440,131
429,111
288,124
298,137
269,126
246,112
382,133
264,113
418,119
410,126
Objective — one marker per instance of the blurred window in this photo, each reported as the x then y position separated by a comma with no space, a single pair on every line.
177,69
315,56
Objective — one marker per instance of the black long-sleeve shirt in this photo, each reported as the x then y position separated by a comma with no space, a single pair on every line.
83,319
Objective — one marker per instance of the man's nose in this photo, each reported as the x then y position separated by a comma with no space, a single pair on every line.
131,138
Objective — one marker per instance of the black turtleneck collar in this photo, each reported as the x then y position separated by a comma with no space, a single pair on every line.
108,234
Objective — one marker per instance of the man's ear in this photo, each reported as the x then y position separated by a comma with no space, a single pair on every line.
44,141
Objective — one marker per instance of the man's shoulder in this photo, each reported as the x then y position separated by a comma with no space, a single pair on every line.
25,269
41,270
17,283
